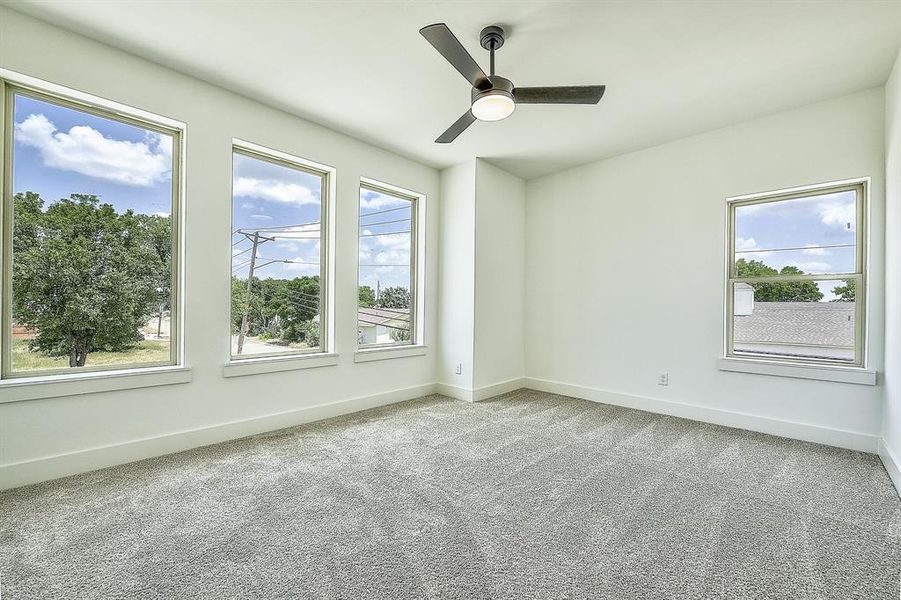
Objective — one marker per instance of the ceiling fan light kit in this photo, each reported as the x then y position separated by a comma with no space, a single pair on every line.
494,97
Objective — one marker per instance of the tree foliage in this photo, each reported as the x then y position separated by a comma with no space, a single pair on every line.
85,277
846,292
279,308
394,297
366,296
777,291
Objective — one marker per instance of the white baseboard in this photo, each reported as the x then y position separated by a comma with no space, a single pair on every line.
454,391
502,387
480,393
891,464
852,440
70,463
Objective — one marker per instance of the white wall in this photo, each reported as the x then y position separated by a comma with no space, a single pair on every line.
456,302
37,429
500,276
891,427
625,271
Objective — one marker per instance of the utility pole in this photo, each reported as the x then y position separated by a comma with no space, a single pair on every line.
255,238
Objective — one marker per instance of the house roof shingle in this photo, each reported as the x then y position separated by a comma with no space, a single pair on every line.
809,323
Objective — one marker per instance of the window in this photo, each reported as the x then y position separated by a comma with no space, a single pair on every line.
796,278
279,254
388,296
90,236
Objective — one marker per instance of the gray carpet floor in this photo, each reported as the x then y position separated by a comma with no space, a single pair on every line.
528,495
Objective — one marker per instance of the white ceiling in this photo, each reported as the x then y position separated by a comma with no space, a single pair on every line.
671,68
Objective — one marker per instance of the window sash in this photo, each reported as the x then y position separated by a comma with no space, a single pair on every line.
107,110
414,264
860,188
299,164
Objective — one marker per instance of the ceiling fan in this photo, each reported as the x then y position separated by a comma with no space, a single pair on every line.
493,96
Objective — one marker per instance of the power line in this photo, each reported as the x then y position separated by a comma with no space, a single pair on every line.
379,212
383,325
385,233
277,227
401,317
383,223
795,248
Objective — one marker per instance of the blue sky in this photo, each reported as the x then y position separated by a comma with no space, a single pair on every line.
59,151
385,239
824,227
281,203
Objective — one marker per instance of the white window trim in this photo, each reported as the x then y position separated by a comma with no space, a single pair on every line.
416,346
388,352
34,387
53,386
776,368
326,355
823,371
275,364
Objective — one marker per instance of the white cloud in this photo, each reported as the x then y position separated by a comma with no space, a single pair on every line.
161,214
274,191
745,244
86,151
261,217
839,215
380,201
812,250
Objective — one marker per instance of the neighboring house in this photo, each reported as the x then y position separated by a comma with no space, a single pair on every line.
803,329
376,324
20,332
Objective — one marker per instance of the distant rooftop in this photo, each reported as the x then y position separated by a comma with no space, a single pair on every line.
808,323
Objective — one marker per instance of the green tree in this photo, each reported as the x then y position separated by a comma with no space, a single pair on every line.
846,292
394,297
399,335
158,232
84,276
366,296
777,291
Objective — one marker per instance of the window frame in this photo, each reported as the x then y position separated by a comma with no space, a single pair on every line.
302,358
417,247
861,239
13,84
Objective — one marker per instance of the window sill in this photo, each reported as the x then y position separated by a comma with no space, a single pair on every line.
255,366
53,386
836,373
371,354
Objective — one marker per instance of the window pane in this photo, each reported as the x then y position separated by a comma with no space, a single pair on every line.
277,246
384,313
92,262
814,235
798,319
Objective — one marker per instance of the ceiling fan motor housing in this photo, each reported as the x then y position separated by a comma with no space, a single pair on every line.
499,85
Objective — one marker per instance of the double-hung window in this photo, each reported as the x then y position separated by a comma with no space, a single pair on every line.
388,296
797,275
279,274
90,234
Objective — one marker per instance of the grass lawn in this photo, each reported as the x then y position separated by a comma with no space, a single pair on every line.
148,351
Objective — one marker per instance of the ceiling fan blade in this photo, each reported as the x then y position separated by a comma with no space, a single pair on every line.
457,128
439,36
566,94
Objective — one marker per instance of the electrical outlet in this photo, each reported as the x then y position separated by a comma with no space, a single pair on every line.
459,369
663,378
